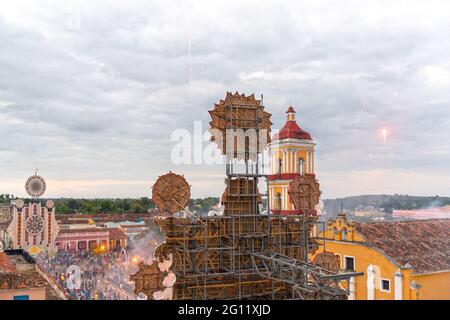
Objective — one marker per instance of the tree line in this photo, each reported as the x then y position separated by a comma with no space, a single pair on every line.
119,206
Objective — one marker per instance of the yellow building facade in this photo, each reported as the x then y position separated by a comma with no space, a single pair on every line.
291,155
403,260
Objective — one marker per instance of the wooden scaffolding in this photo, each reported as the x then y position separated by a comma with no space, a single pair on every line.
246,253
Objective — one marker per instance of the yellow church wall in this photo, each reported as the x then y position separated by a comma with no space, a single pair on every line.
352,235
278,188
363,257
435,286
302,153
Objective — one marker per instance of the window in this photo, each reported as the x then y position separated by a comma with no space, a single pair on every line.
385,285
280,165
349,264
278,205
302,166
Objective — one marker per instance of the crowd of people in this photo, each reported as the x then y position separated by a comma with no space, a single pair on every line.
85,275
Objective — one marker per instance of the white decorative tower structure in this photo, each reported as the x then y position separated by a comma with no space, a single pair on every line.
34,226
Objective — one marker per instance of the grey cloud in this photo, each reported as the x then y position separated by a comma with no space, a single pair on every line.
94,91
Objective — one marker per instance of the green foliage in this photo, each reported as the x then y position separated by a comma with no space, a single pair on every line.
93,206
6,198
142,205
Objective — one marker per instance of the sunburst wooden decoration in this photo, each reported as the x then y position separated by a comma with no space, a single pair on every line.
171,193
238,111
148,279
304,193
327,260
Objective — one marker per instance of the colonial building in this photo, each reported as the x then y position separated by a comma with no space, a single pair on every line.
82,239
99,231
291,155
132,229
93,238
118,239
401,260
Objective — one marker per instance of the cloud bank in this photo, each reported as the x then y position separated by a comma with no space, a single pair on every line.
90,91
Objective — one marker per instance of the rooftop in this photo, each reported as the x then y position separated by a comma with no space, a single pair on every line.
6,265
14,274
82,230
291,130
424,244
134,226
116,234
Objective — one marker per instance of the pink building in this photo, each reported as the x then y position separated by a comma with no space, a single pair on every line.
82,239
91,238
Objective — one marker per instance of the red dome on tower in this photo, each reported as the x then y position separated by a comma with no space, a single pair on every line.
291,129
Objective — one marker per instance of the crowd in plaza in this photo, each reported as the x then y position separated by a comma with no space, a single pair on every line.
89,278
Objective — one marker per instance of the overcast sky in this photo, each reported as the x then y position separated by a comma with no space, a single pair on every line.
91,91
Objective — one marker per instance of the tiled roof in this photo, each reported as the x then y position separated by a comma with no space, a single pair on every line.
6,264
11,278
81,230
291,130
134,226
116,234
74,221
424,244
22,281
108,217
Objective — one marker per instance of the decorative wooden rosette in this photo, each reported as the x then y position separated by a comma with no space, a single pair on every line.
171,193
148,279
304,193
35,186
240,112
327,260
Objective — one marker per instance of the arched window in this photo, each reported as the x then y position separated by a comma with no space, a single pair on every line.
278,202
301,166
280,165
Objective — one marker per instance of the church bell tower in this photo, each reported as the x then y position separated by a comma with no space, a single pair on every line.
291,155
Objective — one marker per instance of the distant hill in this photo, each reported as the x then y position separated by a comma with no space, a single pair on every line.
387,202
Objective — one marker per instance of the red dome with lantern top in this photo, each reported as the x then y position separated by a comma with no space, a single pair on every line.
291,129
